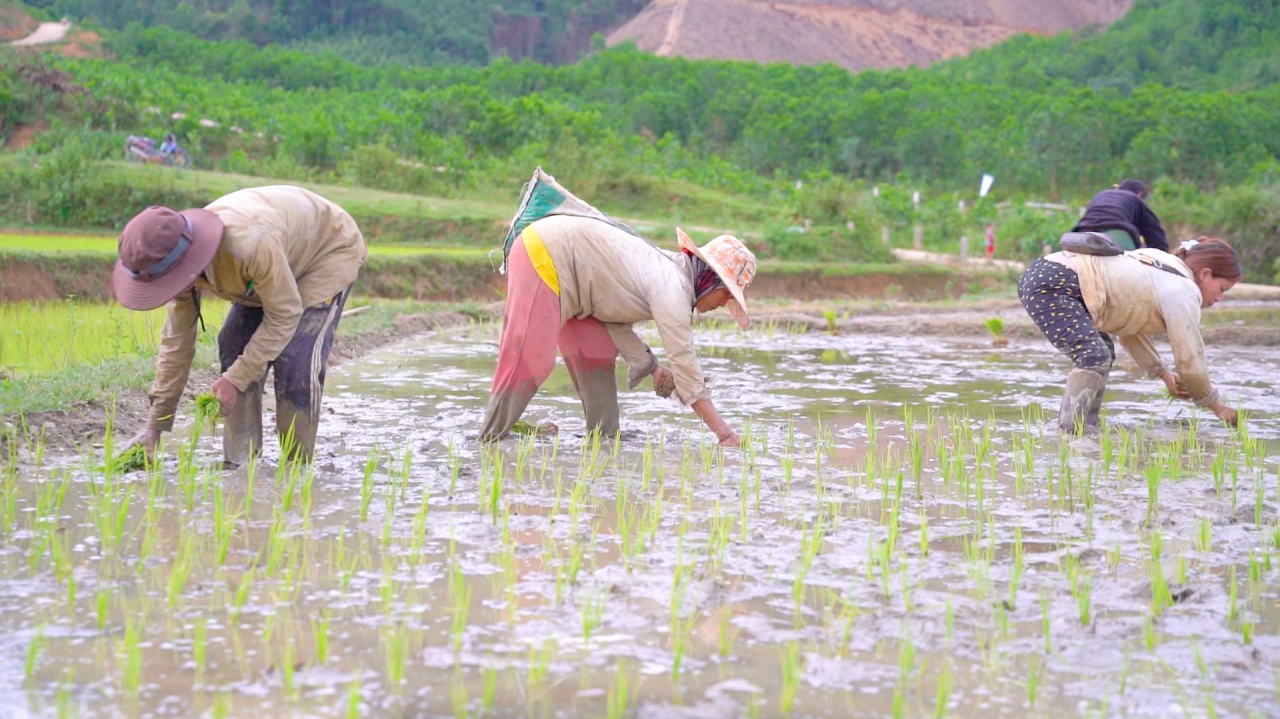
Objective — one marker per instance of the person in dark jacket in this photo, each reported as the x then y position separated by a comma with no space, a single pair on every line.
1122,214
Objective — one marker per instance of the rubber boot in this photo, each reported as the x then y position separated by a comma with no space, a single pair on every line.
296,428
598,390
242,427
504,411
1082,401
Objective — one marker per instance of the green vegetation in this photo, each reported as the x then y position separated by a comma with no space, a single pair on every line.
416,31
42,337
1178,93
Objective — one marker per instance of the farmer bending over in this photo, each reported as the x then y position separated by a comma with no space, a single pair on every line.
1074,297
1122,214
581,284
285,258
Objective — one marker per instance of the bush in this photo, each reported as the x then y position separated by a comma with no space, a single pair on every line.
823,244
69,188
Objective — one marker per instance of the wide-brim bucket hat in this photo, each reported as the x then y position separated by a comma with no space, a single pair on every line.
162,252
732,262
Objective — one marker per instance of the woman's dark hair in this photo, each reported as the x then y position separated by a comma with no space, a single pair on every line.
1134,186
1218,255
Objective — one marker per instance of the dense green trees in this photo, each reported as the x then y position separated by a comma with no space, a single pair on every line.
378,31
1178,90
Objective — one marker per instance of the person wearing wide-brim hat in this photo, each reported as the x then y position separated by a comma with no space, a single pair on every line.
286,259
580,284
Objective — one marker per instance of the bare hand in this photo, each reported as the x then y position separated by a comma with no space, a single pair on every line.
225,392
664,382
1174,386
731,439
149,439
1227,414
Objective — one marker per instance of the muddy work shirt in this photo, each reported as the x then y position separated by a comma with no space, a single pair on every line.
283,248
1132,300
620,279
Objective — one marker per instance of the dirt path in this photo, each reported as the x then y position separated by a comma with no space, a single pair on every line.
668,46
1241,291
938,258
47,32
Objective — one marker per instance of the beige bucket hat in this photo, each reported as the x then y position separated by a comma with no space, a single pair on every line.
732,262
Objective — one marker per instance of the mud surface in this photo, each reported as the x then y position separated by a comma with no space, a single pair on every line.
901,528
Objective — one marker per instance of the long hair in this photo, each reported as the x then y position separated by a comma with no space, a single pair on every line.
1216,254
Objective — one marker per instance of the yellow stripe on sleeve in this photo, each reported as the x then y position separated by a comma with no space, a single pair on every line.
541,259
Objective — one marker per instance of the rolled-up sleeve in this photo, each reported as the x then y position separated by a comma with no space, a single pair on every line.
173,362
639,358
275,287
674,318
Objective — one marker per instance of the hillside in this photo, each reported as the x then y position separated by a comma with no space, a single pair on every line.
1181,94
379,31
855,34
15,21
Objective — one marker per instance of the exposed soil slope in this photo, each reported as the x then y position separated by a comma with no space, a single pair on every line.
856,34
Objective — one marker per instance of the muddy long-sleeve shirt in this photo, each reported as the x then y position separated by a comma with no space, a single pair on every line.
620,279
1132,300
283,248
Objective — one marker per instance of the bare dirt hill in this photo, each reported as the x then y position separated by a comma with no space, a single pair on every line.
14,22
856,34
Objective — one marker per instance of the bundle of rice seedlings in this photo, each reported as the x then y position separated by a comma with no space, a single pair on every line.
208,408
545,429
130,460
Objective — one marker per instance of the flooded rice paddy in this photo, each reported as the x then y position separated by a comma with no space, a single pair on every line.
902,534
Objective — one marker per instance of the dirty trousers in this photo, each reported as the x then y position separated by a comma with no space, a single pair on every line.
1051,294
299,374
532,328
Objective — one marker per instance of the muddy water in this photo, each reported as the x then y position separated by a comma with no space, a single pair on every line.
816,572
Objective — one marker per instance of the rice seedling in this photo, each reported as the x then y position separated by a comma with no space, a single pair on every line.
460,595
995,326
320,637
1233,593
621,693
367,484
353,699
1084,600
1034,672
395,645
1045,621
129,653
490,677
540,662
942,698
288,671
199,643
593,613
792,671
34,649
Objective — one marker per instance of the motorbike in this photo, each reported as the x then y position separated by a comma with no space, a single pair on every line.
144,149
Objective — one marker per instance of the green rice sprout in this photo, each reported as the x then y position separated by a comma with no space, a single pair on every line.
995,326
208,409
830,316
